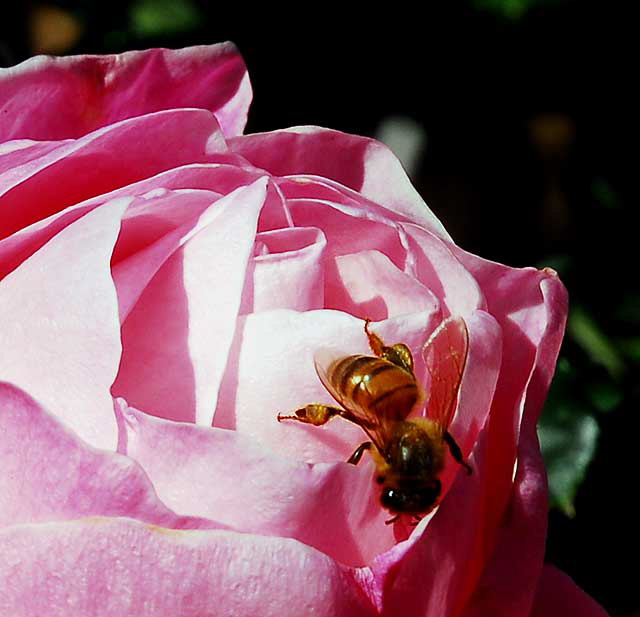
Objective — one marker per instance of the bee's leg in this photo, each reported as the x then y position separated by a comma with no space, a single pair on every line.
398,354
392,519
318,414
375,342
354,459
314,413
454,448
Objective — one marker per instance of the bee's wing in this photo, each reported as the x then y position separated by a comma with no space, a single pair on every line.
325,360
445,356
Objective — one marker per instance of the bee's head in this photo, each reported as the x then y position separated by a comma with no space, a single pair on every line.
417,499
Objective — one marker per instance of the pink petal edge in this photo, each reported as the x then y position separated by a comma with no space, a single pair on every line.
50,97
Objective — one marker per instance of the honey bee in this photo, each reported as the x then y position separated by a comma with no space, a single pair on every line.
378,393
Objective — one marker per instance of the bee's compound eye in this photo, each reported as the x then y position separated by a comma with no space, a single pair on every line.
412,500
393,499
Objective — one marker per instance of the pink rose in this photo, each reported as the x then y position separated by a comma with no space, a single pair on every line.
164,283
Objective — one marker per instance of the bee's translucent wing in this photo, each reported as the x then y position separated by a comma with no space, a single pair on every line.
325,359
327,362
445,356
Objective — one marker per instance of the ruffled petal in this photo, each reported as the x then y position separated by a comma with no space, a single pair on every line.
104,160
362,164
49,97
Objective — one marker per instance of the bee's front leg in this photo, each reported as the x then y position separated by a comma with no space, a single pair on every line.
454,448
354,459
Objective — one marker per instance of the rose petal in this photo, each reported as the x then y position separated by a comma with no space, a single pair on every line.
362,164
19,152
213,177
286,271
60,332
116,567
115,156
350,229
220,475
55,98
558,596
176,339
432,262
318,188
531,307
369,284
153,227
49,474
505,583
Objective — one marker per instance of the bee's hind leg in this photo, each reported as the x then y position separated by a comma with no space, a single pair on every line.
454,448
398,354
314,413
375,342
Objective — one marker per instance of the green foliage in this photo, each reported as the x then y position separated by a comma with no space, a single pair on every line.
583,389
510,9
153,18
568,435
585,331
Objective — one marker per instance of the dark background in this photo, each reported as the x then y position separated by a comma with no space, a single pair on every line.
527,111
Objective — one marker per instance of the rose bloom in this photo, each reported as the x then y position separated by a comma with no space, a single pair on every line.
164,283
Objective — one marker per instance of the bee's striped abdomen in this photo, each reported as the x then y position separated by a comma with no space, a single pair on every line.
375,385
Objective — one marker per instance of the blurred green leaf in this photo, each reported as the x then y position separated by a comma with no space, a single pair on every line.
627,308
604,395
604,193
583,328
568,439
510,9
630,347
152,18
